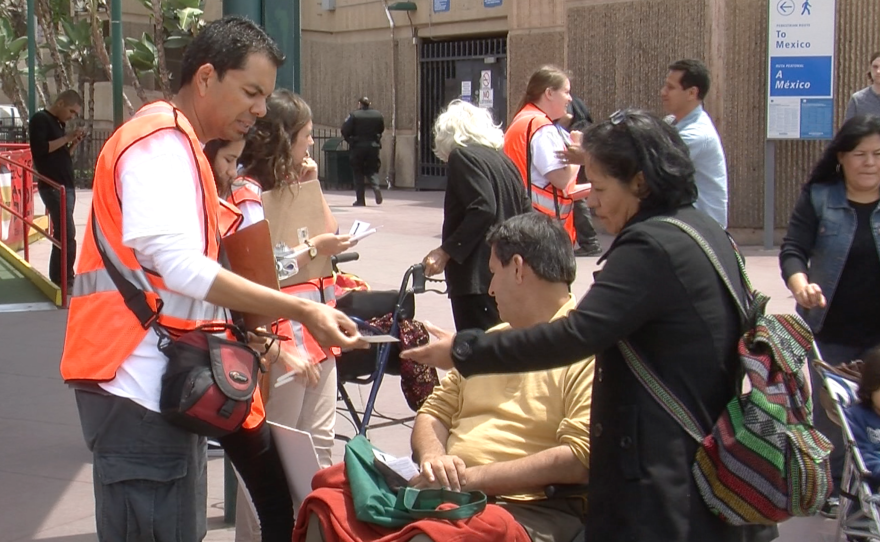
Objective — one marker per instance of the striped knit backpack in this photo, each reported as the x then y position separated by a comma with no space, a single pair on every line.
763,462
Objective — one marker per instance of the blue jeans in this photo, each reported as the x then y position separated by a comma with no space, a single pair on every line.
150,477
52,200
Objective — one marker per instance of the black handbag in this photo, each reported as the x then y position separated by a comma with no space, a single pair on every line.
209,383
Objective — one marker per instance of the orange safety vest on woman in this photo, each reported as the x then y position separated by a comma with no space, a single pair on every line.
319,290
101,331
302,342
517,146
230,218
241,192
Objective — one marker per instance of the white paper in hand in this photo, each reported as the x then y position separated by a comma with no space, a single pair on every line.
379,339
403,466
361,229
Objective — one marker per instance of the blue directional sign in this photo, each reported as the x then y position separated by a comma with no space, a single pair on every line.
800,69
800,76
491,3
441,5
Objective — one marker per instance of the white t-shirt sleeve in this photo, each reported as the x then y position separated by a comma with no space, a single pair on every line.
544,145
252,212
162,213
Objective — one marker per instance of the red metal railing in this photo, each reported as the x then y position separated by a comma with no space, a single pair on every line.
29,178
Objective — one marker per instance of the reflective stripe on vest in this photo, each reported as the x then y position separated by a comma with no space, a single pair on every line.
101,331
542,200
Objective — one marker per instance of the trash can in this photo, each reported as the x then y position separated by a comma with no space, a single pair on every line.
338,173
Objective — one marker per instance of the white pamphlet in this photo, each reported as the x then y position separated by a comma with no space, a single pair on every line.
361,229
299,458
403,466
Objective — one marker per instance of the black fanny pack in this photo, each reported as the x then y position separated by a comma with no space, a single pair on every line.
208,386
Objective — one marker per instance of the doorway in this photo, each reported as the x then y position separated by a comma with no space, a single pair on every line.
473,70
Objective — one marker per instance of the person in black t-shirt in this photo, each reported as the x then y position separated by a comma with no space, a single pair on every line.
830,258
52,147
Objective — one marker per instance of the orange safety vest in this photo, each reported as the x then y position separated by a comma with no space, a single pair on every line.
230,218
101,331
302,342
517,146
241,192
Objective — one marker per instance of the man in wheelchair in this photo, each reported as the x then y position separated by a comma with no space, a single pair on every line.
511,435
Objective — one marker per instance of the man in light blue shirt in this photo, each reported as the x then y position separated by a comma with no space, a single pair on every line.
686,86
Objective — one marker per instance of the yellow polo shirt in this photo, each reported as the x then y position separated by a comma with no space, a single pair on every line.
503,417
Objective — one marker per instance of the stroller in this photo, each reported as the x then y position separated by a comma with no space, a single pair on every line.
858,515
369,367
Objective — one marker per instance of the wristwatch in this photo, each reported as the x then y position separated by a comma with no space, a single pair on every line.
313,250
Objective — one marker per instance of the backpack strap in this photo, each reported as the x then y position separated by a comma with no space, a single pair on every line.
660,392
646,375
716,263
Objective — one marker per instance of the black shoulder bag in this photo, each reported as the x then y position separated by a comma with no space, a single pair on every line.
208,386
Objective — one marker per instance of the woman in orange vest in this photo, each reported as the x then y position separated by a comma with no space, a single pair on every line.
252,453
276,157
534,143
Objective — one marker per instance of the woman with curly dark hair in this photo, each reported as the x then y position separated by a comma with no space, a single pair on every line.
276,158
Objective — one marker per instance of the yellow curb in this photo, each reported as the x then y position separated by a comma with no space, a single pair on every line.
52,291
33,235
41,221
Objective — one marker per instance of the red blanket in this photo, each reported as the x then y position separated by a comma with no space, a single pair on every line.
331,501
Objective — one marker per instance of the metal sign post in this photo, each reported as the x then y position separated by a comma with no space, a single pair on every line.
800,93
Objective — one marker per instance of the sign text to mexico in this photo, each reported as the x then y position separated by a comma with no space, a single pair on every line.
800,101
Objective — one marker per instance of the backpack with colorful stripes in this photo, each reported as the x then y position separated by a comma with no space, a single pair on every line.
763,462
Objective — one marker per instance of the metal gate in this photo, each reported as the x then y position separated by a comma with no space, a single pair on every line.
457,69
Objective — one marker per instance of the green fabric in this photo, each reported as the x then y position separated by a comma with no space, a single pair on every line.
375,502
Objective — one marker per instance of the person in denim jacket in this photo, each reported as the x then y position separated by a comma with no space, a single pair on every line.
830,257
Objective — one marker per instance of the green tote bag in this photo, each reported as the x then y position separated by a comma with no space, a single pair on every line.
375,502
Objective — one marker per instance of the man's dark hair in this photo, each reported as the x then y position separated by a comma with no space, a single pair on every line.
69,97
634,141
541,242
226,44
581,119
694,74
365,102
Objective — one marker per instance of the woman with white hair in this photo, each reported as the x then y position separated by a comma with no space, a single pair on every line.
483,188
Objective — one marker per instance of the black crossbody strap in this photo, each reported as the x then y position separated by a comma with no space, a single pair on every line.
135,298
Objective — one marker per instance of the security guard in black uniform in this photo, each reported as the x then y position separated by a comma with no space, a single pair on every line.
362,131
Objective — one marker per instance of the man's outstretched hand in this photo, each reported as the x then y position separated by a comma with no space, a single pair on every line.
437,353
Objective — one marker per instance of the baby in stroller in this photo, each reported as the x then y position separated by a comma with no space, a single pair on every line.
864,416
